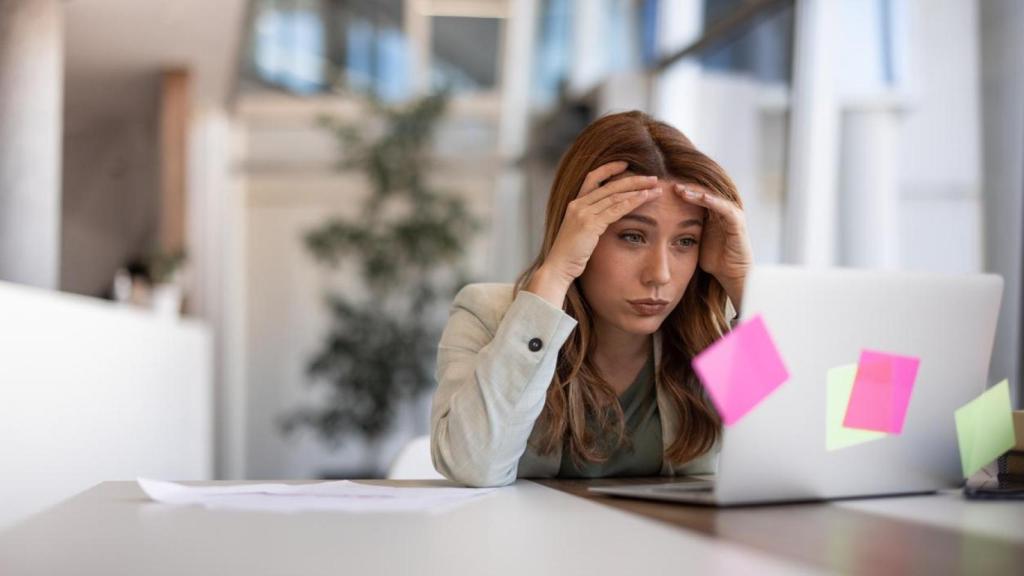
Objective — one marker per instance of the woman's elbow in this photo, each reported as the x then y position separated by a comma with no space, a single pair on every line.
468,473
480,479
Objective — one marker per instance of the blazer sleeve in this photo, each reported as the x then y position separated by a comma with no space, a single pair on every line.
492,384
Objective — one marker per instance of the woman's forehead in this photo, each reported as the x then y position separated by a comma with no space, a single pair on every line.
665,183
669,209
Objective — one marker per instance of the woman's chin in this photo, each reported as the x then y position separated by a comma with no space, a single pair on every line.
642,325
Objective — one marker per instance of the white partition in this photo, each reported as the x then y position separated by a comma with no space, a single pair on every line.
93,391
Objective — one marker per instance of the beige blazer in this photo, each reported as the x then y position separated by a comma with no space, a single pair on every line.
492,384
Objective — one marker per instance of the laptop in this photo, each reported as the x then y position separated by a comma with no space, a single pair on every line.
821,319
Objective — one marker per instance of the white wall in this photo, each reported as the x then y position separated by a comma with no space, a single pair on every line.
940,144
1003,128
115,52
31,85
216,288
740,125
111,192
90,391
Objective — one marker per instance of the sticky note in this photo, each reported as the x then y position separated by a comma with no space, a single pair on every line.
839,386
881,392
741,369
984,428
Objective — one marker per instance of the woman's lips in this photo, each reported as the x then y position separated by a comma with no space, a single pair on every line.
648,307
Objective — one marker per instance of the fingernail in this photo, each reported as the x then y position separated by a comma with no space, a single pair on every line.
655,190
691,193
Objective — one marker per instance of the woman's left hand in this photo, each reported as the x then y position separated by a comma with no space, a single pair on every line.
725,247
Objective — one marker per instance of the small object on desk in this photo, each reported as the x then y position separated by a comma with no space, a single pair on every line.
997,492
1012,462
1010,479
1018,430
1010,466
986,486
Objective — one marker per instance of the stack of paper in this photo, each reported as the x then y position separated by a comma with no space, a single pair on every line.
338,496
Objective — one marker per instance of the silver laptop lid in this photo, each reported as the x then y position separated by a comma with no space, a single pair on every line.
822,319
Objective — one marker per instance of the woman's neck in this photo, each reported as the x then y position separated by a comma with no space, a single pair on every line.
617,350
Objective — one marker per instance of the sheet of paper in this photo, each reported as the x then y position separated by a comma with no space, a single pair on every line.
881,392
839,386
741,369
336,496
984,428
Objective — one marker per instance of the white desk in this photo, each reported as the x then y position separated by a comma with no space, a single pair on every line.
527,528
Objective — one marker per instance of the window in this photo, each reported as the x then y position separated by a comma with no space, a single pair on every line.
309,46
465,53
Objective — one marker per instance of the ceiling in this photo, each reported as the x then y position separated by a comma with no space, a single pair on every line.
115,46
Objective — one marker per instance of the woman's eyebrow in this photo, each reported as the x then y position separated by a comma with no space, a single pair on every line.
642,219
651,222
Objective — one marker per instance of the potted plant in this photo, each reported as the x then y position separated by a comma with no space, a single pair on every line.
408,244
152,281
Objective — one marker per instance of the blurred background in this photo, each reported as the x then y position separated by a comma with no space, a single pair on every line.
230,231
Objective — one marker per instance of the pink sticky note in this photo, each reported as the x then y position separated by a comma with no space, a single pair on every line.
741,369
881,392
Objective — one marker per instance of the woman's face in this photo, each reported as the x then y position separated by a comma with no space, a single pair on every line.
643,263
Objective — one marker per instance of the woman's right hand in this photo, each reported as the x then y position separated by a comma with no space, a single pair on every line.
597,205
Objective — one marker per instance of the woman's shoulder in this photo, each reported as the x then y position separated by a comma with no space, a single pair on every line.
487,301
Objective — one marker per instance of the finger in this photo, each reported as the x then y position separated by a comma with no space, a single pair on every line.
725,209
625,206
598,175
627,184
613,199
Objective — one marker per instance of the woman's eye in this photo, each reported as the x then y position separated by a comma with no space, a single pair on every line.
632,237
688,242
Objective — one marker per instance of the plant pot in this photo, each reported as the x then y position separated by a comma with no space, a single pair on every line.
166,300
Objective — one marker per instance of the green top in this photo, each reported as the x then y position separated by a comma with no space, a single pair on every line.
641,450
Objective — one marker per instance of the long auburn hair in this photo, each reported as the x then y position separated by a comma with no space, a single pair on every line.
581,408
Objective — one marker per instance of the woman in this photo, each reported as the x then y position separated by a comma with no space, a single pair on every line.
582,368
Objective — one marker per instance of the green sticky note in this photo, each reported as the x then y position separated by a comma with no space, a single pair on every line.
984,428
839,387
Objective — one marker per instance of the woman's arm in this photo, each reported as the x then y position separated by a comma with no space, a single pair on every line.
735,294
492,388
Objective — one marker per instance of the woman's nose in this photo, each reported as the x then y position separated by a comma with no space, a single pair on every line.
656,269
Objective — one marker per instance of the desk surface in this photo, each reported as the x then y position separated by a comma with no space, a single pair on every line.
552,527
